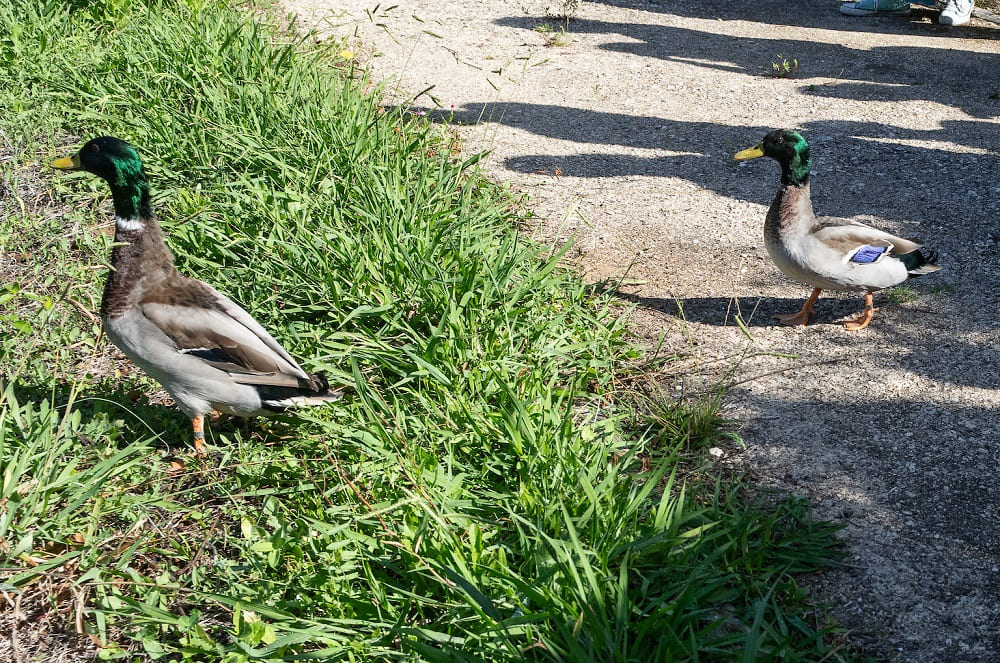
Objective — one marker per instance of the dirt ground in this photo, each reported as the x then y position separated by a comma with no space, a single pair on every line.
620,125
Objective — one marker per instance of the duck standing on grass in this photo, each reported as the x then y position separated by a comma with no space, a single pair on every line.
828,253
205,350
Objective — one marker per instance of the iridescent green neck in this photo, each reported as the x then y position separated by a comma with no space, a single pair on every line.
795,171
130,190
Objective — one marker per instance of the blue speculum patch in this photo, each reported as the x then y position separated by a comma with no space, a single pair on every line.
868,254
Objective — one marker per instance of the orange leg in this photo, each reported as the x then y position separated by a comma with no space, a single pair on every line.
802,317
198,424
860,322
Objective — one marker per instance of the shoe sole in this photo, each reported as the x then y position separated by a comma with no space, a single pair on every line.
958,20
851,11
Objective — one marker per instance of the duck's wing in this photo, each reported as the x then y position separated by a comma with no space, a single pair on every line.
847,237
204,323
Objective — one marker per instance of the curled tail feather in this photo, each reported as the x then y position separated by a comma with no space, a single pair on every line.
920,262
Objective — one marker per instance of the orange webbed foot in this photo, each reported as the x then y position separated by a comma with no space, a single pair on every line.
860,322
802,317
198,424
794,319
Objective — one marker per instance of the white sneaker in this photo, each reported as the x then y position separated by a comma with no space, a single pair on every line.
957,12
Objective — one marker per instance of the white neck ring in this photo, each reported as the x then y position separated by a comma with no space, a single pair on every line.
129,224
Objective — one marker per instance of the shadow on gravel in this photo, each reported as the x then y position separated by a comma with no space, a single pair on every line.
716,141
846,155
964,486
936,510
949,76
782,12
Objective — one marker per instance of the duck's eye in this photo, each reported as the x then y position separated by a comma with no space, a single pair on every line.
94,147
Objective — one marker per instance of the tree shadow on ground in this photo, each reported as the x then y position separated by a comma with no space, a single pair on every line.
944,75
816,15
871,150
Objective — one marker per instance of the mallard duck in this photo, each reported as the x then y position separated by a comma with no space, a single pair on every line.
828,253
205,350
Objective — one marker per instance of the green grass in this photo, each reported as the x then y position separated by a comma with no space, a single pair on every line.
902,295
941,288
488,492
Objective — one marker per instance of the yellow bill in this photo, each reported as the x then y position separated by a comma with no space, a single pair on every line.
750,153
67,163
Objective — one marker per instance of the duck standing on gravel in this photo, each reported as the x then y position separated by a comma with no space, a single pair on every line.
205,350
828,253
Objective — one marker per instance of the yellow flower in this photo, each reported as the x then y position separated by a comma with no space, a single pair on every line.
347,54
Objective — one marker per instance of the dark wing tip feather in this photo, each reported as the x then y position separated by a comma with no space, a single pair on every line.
312,392
319,385
319,382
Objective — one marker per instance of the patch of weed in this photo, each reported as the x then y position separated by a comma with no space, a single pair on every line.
782,67
902,295
553,36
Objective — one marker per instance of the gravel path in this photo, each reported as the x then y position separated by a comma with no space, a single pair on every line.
622,136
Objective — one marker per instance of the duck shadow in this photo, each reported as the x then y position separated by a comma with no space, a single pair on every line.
115,412
753,311
939,344
123,412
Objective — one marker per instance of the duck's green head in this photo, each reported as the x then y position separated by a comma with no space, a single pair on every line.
119,164
108,157
788,148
